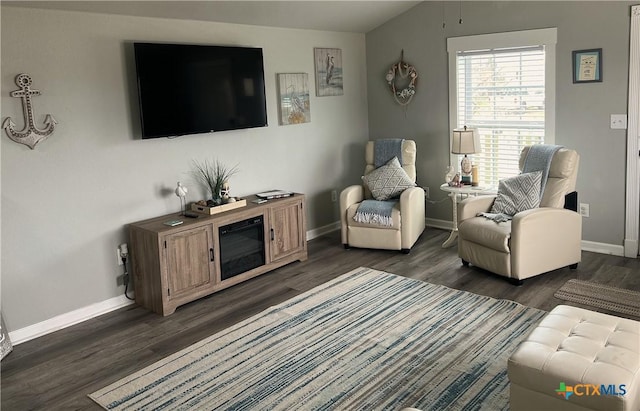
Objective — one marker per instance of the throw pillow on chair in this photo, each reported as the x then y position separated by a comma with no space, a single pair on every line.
388,181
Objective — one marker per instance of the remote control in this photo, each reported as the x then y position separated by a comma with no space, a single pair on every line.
173,223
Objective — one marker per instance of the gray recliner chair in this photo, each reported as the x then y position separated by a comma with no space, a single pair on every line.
536,240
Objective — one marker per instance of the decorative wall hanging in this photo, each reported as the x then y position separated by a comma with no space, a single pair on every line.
30,135
587,66
293,98
401,79
328,66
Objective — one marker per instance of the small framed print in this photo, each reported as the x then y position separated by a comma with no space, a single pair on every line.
587,66
293,98
328,67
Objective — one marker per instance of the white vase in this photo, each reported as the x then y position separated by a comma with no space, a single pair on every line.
450,174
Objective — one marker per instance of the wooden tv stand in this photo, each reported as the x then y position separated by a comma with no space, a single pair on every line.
172,266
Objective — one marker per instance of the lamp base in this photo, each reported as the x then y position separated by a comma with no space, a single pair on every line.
465,165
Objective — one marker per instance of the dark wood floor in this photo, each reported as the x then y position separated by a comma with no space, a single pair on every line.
59,370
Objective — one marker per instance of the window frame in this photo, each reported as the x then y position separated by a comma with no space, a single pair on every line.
524,38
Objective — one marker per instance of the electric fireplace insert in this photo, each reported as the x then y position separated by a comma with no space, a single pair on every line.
241,246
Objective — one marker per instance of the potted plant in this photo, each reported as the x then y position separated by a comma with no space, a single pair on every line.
213,175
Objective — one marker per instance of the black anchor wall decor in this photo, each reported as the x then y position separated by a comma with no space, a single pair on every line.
30,135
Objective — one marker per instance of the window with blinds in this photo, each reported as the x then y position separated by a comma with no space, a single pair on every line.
502,93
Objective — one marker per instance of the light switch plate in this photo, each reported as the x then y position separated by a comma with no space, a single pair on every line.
618,121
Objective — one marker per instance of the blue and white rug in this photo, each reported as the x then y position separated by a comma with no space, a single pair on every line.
367,340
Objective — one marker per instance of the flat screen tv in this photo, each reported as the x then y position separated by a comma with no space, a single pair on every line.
190,89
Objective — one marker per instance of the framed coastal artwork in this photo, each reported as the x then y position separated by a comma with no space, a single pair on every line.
587,66
328,67
293,98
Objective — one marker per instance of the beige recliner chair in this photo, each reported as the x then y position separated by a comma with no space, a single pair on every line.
408,218
535,241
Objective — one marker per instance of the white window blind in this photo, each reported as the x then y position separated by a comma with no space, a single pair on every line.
503,93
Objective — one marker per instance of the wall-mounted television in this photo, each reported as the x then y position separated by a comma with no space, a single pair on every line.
190,89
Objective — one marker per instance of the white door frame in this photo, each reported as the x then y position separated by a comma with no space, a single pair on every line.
632,220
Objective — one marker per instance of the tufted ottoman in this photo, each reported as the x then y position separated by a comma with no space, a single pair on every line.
577,359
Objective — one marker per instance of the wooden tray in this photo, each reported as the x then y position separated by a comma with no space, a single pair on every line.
218,209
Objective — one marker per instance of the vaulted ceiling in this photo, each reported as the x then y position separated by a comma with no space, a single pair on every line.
345,16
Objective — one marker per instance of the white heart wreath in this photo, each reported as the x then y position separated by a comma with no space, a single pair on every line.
404,72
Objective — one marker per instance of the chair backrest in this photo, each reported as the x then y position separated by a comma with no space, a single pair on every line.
563,174
408,160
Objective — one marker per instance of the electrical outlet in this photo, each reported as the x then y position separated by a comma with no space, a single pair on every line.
334,196
122,250
119,256
584,209
426,192
618,121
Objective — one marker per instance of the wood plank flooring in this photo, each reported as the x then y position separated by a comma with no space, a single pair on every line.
59,370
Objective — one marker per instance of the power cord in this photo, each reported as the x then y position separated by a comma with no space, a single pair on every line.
437,201
125,276
429,201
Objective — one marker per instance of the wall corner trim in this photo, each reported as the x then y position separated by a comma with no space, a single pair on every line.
631,248
632,202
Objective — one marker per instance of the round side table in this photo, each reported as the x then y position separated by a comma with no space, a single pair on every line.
464,191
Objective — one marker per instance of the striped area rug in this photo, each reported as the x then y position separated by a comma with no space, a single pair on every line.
367,340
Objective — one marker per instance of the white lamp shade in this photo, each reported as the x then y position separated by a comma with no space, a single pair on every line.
465,141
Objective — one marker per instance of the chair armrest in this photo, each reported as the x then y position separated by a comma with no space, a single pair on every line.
471,206
410,197
545,238
412,215
348,197
412,202
545,219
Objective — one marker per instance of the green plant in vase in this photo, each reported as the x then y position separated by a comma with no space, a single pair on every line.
213,175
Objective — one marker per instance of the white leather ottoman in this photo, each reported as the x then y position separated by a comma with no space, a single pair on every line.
589,352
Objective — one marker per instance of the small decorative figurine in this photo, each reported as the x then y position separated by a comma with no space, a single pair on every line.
224,193
181,191
456,181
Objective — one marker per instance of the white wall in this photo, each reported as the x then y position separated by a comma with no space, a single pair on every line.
65,204
582,110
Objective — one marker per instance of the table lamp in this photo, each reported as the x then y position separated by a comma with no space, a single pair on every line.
465,141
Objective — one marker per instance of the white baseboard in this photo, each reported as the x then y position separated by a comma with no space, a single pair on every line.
68,319
94,310
442,224
317,232
631,248
602,248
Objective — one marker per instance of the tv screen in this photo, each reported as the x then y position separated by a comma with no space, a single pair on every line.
189,89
